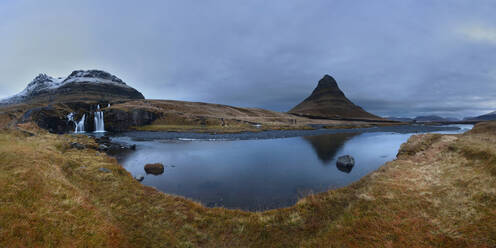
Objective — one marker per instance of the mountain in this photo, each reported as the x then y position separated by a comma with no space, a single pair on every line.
433,118
327,101
402,119
486,117
79,85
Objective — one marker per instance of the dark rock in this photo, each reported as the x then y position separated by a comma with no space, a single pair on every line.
103,147
78,146
117,120
155,169
48,118
105,170
133,147
139,177
115,147
103,140
345,163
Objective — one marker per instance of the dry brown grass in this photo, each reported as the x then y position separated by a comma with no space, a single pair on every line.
439,193
207,117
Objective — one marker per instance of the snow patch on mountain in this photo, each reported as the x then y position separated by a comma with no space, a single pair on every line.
44,83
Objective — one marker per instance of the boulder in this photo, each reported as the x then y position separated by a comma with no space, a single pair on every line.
77,146
103,147
103,140
345,163
155,169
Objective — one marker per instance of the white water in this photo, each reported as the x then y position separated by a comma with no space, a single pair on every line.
79,124
99,122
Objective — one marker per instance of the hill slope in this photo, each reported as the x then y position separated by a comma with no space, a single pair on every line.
486,117
329,102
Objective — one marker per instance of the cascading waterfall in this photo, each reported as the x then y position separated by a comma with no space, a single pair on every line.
79,124
99,123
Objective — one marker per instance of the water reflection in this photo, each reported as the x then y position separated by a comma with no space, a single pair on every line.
259,174
326,146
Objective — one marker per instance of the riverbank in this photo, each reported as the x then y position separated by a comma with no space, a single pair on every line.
439,192
167,115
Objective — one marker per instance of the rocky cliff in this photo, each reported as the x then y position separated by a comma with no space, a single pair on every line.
327,101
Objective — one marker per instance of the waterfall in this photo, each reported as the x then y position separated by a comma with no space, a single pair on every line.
79,124
99,123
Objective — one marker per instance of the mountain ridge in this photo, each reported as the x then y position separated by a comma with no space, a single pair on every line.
485,117
80,84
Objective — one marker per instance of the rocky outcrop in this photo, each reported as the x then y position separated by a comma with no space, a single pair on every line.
117,120
49,118
327,101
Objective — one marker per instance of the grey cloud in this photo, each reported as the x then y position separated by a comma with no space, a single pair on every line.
391,57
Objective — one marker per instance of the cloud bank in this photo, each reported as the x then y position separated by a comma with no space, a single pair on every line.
401,58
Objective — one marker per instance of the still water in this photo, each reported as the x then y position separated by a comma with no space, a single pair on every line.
259,174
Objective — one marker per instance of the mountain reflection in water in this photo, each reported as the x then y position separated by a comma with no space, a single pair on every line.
259,174
326,146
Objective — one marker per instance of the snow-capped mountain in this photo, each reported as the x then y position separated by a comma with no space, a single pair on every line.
83,83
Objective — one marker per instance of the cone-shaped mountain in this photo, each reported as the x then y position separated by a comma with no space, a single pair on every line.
329,102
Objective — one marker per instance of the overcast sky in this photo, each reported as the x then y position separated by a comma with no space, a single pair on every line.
392,57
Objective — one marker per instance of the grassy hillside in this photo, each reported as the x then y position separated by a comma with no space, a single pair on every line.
165,115
207,117
440,192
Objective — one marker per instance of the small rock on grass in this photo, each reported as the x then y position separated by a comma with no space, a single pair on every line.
77,146
105,170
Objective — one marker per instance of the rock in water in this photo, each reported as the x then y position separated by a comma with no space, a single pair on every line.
139,177
155,169
329,102
345,163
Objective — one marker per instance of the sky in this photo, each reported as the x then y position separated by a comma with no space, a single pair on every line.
392,57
